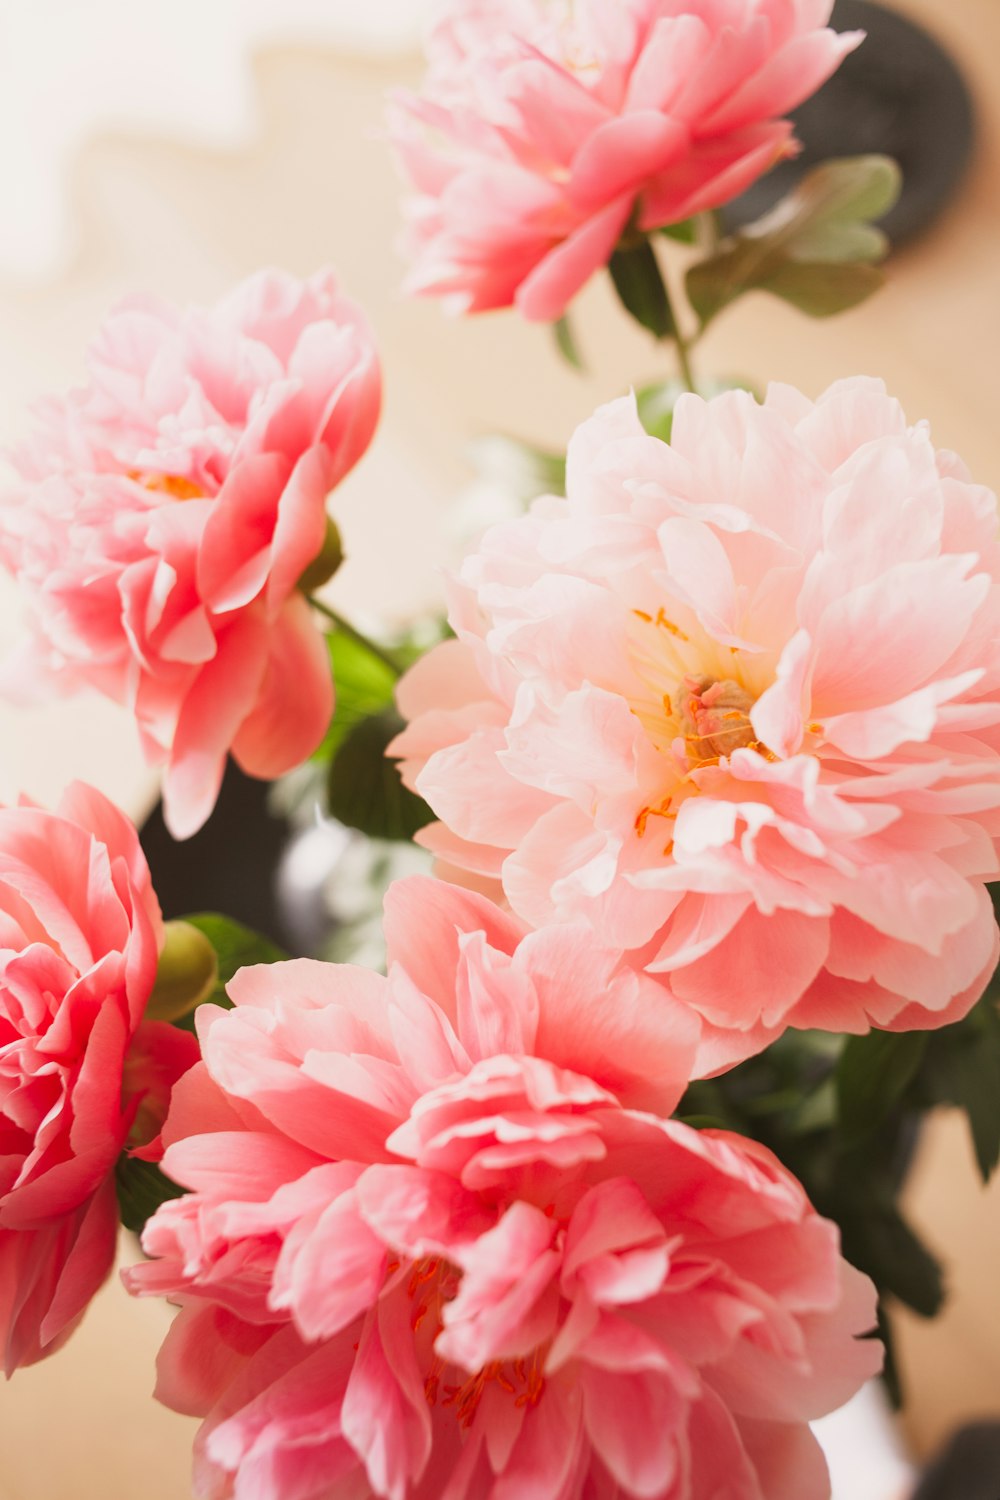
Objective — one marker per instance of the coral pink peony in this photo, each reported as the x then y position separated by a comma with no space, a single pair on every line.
167,512
437,1249
736,703
547,129
81,933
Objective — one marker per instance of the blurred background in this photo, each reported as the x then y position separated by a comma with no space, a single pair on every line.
174,148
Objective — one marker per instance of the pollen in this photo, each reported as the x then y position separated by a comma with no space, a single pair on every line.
174,485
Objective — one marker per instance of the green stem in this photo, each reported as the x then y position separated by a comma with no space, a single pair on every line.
395,667
684,360
683,344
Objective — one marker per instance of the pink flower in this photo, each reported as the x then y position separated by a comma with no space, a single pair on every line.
167,512
545,130
735,702
81,933
438,1248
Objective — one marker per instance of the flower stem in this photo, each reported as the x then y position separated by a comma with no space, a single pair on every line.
683,344
684,360
385,656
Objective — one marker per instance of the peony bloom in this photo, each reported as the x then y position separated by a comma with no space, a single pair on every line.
438,1249
166,513
735,702
81,933
547,129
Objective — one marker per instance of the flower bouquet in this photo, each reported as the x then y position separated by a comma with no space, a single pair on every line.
591,1190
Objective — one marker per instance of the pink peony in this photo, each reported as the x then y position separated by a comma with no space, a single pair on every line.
438,1249
545,130
166,513
735,702
80,933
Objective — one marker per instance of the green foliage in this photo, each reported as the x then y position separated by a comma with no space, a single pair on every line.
655,404
843,1114
815,249
872,1074
141,1188
364,685
963,1069
685,232
639,283
364,790
521,470
566,342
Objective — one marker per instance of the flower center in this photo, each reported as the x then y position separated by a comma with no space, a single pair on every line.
174,485
433,1283
694,703
715,720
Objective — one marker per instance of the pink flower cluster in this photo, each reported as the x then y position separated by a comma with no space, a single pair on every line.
80,933
439,1245
545,130
166,513
735,703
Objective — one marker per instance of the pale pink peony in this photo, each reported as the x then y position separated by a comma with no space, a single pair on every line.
545,129
80,933
166,513
438,1249
736,703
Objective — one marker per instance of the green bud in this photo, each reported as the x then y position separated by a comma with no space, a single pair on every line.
186,975
327,561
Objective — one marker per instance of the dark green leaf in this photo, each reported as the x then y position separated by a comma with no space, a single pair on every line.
639,283
364,685
814,249
873,1072
141,1188
518,468
364,790
566,342
963,1069
878,1240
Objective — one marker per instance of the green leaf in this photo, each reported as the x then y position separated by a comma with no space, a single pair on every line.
141,1188
364,790
363,684
685,231
963,1069
186,974
520,469
236,947
641,290
822,290
655,405
814,249
566,342
878,1240
872,1074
